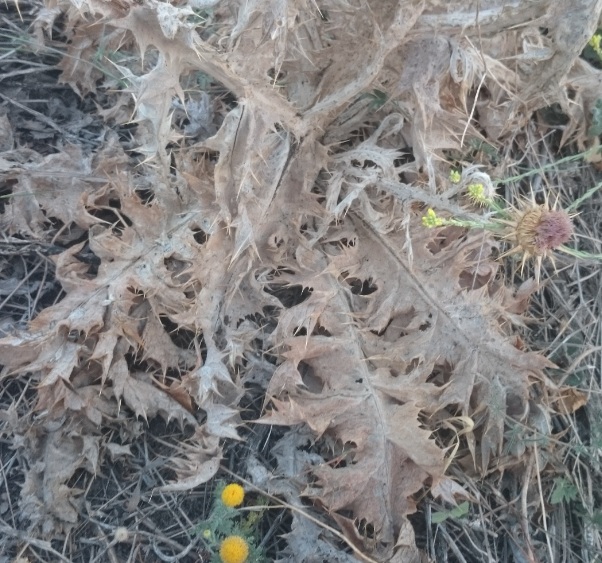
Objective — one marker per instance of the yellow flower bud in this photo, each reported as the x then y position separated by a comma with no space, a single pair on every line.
431,220
455,177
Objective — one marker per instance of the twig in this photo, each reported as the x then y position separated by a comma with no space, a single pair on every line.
6,530
41,117
451,543
544,515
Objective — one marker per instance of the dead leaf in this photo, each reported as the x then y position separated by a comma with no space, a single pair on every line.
289,239
569,399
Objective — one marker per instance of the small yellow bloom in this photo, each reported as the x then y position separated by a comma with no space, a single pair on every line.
478,194
233,495
431,220
234,549
207,534
455,177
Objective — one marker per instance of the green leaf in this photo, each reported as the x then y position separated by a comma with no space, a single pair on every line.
457,512
379,98
439,517
564,491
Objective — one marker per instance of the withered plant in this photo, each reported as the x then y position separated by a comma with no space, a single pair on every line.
237,247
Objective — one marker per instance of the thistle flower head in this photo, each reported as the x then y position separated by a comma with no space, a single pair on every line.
540,230
535,231
479,194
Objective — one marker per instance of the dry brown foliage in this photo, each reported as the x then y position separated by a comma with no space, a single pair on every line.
275,240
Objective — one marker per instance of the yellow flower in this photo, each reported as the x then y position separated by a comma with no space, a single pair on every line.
234,549
431,220
233,495
455,177
478,194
